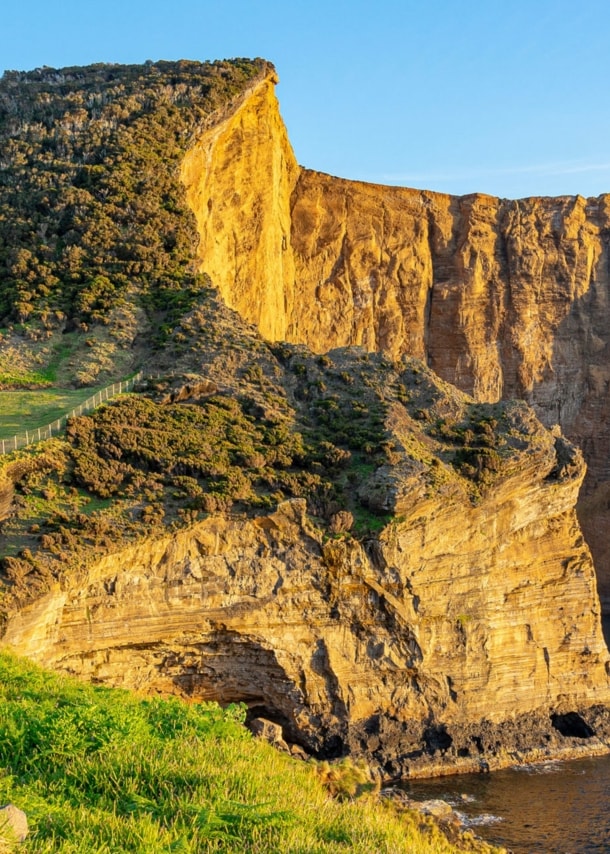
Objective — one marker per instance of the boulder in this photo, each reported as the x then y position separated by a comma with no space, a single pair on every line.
13,823
434,807
269,731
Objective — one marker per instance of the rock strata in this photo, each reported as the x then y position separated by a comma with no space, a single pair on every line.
370,559
501,298
465,633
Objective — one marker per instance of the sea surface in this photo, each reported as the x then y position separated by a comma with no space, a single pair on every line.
551,807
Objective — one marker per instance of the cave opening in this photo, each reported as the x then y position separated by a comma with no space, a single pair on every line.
571,725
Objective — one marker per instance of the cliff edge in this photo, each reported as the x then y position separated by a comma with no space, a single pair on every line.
501,298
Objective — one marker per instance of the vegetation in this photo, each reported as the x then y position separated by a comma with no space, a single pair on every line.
95,233
100,770
90,201
27,410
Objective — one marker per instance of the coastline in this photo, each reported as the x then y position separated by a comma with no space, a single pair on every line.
508,759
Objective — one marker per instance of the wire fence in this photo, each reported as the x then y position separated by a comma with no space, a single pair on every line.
38,434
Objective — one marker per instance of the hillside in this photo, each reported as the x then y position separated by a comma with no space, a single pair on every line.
100,769
342,540
96,239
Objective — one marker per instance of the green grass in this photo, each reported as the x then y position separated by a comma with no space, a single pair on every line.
28,378
27,410
17,375
101,770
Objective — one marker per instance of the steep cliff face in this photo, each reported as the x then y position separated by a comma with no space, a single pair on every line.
455,636
501,298
346,542
239,178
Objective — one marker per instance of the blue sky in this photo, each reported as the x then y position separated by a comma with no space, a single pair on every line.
509,98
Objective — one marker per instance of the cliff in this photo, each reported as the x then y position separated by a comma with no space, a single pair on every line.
430,604
501,298
239,177
453,623
339,536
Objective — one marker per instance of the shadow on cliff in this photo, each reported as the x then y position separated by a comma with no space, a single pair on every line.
575,392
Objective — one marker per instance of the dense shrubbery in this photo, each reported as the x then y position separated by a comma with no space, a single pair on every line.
477,439
91,206
213,454
214,447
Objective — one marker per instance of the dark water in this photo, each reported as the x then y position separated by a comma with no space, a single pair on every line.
554,807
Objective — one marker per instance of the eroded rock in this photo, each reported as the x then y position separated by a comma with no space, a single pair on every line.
501,298
463,635
269,731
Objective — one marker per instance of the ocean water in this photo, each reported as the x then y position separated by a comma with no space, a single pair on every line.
548,808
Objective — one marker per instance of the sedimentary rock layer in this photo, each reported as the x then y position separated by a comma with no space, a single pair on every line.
426,597
464,619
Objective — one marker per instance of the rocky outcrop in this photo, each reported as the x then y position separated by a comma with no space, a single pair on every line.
461,634
501,298
13,825
425,598
239,177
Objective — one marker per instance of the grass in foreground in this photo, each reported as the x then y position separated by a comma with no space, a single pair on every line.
101,770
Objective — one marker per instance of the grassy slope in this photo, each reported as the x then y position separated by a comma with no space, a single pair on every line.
100,770
27,410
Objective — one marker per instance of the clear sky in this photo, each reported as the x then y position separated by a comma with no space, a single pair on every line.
508,97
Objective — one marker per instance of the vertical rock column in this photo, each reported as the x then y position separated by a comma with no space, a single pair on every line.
239,178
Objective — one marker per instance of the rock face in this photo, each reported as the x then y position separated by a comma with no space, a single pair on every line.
462,618
460,625
239,177
501,298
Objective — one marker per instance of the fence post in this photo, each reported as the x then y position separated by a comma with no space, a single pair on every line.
96,400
